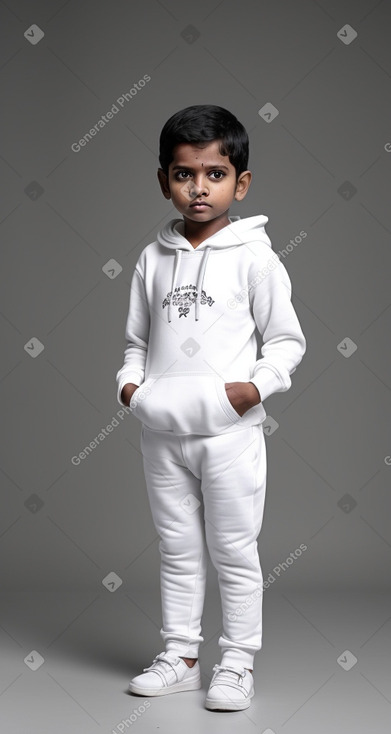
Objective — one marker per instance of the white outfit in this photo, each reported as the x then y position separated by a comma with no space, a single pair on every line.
191,327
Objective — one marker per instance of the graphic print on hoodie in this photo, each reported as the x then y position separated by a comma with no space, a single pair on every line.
191,327
184,296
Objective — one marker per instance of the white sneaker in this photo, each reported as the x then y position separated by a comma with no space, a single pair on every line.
231,689
167,674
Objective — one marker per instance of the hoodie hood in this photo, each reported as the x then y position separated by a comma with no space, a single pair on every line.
236,234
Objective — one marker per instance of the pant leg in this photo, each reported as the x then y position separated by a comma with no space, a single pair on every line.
177,510
234,471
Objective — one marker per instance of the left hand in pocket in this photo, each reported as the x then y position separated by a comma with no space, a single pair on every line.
242,396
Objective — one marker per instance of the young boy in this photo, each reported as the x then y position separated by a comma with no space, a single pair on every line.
192,377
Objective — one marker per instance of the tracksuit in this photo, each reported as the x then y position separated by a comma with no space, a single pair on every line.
191,327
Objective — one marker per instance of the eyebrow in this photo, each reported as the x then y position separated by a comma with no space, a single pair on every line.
189,168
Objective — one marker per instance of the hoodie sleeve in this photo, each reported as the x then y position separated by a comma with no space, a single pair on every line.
284,343
136,335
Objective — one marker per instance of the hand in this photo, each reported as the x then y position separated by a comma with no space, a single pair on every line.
127,392
242,396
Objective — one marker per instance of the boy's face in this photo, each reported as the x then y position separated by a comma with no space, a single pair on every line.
199,173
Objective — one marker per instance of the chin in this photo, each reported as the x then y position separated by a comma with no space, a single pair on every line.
200,216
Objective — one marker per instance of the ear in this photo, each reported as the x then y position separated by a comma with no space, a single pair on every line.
163,181
243,185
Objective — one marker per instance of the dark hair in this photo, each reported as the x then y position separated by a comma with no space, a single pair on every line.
204,123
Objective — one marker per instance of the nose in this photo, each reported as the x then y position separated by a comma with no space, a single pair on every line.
198,187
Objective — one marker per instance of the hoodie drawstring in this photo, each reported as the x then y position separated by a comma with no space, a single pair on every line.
178,257
200,280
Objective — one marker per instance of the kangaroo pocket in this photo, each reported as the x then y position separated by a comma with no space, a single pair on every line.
189,403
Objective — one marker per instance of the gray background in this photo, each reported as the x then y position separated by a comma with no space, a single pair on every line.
321,166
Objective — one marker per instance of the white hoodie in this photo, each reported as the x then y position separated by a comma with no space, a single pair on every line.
191,327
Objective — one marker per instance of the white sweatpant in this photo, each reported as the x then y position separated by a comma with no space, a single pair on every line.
208,492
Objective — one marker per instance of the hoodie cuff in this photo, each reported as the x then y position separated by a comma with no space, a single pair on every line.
267,382
133,377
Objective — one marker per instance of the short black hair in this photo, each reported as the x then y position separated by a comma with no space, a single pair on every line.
204,123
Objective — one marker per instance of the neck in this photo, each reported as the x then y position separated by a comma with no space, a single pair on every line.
197,232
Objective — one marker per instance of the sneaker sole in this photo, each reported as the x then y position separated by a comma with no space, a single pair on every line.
226,705
191,685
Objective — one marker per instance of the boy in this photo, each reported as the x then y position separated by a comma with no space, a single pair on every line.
191,376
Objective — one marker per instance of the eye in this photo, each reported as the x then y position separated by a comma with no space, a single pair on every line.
179,176
221,175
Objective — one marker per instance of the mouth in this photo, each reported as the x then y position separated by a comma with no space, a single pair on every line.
199,205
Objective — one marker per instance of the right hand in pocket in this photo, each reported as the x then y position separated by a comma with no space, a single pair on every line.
127,392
